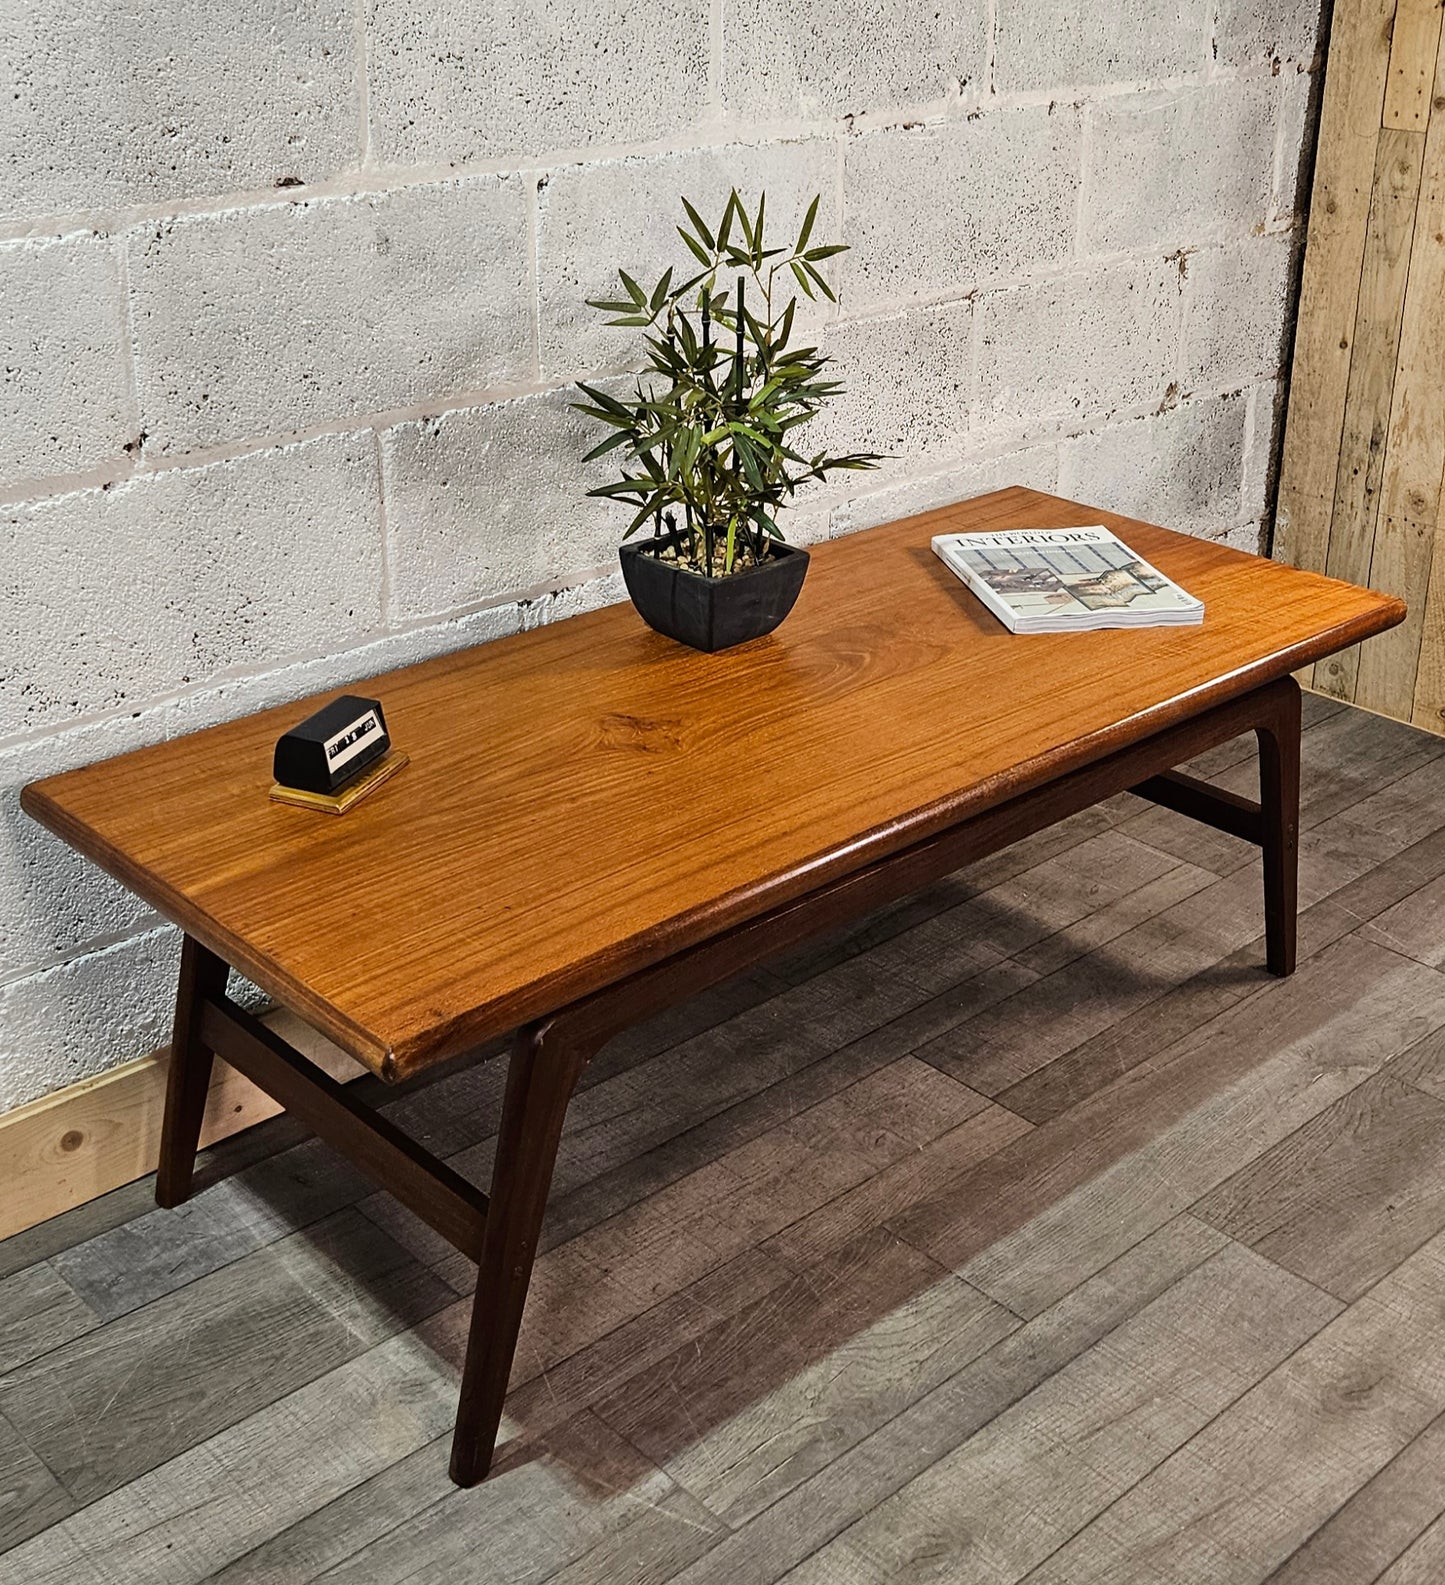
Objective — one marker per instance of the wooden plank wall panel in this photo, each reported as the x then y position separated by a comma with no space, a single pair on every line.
1350,120
1361,479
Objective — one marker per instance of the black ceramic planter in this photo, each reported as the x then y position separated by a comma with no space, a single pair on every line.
712,613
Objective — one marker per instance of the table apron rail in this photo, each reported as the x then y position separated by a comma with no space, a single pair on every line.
440,1196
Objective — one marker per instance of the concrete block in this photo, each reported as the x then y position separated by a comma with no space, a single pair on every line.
458,81
490,503
64,402
1178,167
1251,32
1295,143
561,604
1064,44
81,1018
907,381
832,58
934,210
1263,430
52,901
267,320
133,592
595,218
1183,468
107,105
1236,301
298,682
1036,466
1079,343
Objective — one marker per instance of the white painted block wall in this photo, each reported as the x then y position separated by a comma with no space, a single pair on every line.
291,294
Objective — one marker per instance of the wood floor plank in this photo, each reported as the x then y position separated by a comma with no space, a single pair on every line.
127,1396
540,1408
1008,1496
1241,1497
913,1180
591,1490
767,1398
1422,1563
131,1265
31,1499
39,1311
1046,1211
1354,866
1140,1035
583,1289
1415,925
1344,1199
1377,1524
1114,919
221,1500
865,1476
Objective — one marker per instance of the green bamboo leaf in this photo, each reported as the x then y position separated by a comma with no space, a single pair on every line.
822,285
695,247
725,229
797,270
743,222
817,255
808,220
606,446
699,224
639,297
659,292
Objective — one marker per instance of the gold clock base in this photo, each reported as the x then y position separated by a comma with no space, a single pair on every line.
338,803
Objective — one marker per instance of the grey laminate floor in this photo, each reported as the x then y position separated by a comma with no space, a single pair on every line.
1031,1232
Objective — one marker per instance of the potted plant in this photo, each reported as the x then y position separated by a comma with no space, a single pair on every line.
709,437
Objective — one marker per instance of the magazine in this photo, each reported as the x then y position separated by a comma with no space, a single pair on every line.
1065,580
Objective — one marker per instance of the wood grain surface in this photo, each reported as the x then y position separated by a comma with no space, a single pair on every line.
588,798
1360,492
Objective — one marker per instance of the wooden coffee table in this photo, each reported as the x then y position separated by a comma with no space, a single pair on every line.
597,823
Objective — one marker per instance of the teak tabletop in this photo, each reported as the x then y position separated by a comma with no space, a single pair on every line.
587,798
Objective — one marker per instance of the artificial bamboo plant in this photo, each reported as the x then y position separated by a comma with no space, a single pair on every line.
709,438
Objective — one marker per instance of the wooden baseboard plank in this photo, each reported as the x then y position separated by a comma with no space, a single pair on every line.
92,1137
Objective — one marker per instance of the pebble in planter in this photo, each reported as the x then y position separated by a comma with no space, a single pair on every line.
709,441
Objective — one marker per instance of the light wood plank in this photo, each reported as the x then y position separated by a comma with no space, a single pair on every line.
1359,478
1413,47
92,1137
1350,114
1414,463
188,1518
31,1499
1422,1563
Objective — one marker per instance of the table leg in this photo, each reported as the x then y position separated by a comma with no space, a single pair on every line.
1279,778
545,1065
188,1079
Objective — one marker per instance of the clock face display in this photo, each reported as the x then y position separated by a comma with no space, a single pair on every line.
330,749
351,740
